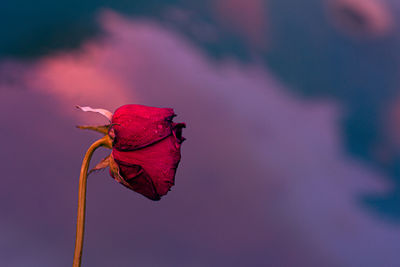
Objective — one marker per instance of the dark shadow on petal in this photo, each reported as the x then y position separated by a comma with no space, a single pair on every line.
138,181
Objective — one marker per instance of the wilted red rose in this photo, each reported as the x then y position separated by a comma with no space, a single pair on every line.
146,148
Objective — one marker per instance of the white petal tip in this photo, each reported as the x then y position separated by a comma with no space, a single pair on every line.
101,111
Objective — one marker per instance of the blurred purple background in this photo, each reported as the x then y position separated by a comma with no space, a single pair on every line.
292,151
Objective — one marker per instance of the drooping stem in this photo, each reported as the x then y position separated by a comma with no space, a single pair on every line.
80,224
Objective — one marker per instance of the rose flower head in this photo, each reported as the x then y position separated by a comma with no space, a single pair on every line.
146,148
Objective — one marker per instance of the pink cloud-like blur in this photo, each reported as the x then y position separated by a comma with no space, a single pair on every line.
264,178
361,18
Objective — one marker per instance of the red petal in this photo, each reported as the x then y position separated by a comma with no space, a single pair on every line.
137,180
137,126
158,161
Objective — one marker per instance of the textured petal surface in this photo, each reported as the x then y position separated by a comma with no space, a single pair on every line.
146,148
136,179
136,126
150,171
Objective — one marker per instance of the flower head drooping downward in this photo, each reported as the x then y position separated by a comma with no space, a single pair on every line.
146,149
145,145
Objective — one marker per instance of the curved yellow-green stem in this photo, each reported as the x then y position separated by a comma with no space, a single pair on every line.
80,223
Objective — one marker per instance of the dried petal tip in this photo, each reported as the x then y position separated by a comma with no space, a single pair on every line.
177,131
104,163
101,111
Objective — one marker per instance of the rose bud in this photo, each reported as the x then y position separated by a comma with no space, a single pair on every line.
145,149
